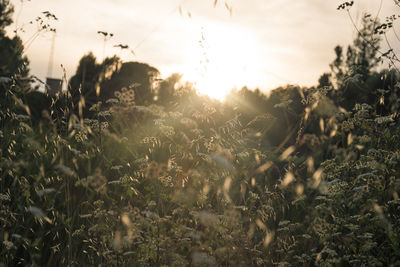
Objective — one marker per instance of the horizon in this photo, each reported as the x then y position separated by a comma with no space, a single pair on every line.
227,46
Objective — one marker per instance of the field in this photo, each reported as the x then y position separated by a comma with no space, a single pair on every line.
134,171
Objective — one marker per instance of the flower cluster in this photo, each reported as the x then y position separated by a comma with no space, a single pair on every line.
125,96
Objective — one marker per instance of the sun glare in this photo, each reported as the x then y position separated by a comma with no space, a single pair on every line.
224,59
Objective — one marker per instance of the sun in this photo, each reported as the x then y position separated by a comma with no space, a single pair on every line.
225,58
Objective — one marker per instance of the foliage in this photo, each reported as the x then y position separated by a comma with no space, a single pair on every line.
6,11
12,60
138,175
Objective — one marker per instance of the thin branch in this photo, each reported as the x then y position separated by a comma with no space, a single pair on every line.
27,44
391,49
372,45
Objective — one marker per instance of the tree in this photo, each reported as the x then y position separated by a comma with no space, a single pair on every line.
139,76
324,80
83,83
12,60
89,76
6,11
350,72
166,89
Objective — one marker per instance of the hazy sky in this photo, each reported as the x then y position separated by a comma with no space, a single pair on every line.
263,43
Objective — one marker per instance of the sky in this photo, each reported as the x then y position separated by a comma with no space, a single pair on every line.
256,43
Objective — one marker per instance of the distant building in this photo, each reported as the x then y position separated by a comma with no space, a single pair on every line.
54,86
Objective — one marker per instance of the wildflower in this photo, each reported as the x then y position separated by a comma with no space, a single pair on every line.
198,115
149,140
159,122
80,137
96,181
125,96
95,107
105,113
112,101
117,167
167,181
347,125
125,179
117,94
8,244
364,139
94,124
104,126
385,119
167,130
21,117
362,114
175,115
4,197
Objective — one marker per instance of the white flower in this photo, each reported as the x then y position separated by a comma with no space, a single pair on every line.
385,119
167,130
104,113
112,101
8,244
4,197
117,167
21,117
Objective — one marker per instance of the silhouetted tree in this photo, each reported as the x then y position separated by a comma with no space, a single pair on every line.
285,104
248,103
324,80
6,11
139,76
166,89
12,61
350,73
86,77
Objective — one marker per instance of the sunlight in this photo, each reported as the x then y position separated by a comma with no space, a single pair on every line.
225,58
